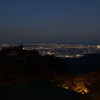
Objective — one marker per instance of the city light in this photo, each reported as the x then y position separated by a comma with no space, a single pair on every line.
60,50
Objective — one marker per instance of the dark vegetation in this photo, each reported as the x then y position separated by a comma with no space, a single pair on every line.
37,90
18,65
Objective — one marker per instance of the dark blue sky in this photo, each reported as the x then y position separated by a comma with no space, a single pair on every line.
61,21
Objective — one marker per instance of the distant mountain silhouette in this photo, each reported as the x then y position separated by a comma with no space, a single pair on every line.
87,63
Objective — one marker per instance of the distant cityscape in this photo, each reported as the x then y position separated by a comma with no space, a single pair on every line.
60,50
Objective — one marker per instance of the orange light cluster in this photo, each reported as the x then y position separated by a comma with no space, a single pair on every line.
80,88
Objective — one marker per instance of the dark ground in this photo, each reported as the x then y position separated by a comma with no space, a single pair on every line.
36,90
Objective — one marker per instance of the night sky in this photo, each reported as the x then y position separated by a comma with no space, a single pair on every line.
56,21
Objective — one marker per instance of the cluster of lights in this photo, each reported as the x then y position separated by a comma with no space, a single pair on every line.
98,46
61,50
80,88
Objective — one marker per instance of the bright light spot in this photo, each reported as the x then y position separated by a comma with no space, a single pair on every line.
81,89
98,46
23,48
67,56
78,55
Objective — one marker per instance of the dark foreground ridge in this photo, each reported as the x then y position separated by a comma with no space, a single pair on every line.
19,66
36,90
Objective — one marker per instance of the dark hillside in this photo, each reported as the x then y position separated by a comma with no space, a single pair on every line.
17,64
36,90
87,63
